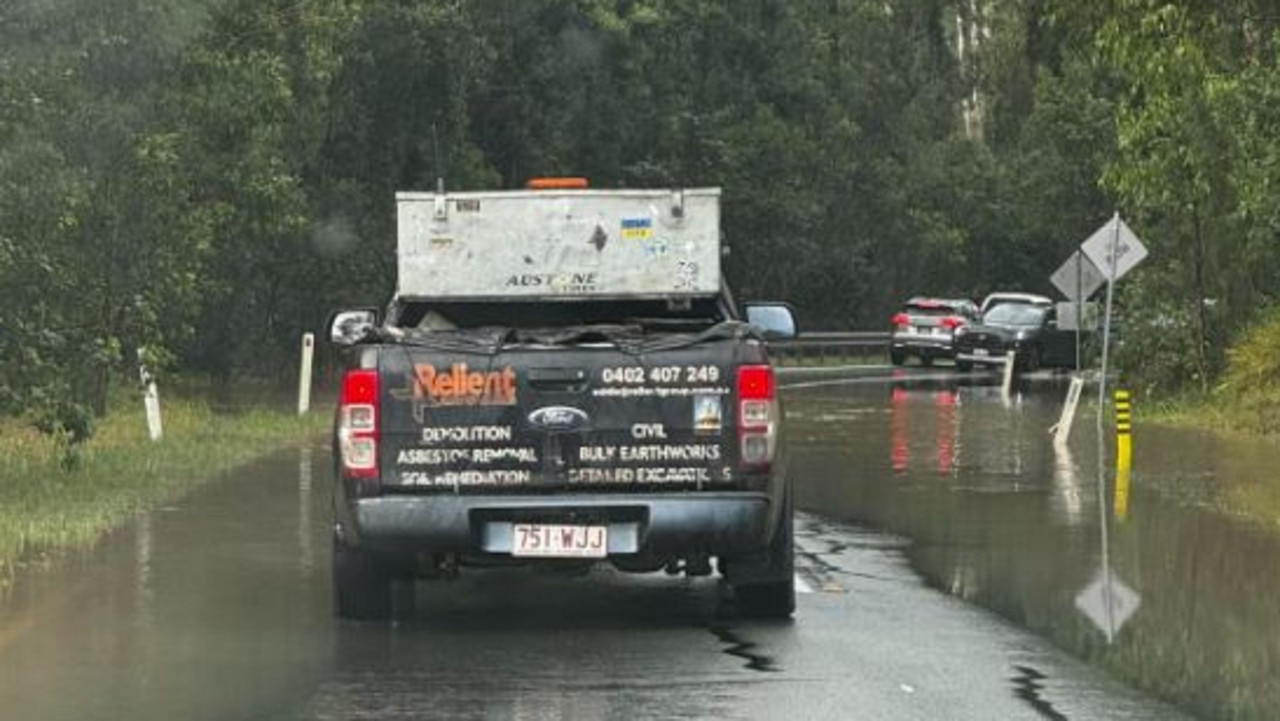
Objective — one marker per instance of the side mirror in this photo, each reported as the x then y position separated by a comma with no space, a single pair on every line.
348,327
775,320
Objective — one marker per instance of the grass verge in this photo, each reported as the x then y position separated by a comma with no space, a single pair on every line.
48,510
1213,413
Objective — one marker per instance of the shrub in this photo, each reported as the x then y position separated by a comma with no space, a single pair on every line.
1251,382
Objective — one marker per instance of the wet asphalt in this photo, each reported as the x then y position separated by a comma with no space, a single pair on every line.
218,607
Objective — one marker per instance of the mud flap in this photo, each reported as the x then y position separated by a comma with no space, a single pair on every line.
777,563
362,584
767,588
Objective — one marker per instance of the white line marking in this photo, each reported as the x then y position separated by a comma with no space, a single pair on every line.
802,586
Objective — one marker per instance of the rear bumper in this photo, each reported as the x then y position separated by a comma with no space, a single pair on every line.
935,345
991,359
657,524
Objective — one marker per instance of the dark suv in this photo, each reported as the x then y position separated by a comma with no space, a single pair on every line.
925,328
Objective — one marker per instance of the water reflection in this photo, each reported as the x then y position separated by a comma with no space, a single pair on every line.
999,517
1067,500
941,426
306,530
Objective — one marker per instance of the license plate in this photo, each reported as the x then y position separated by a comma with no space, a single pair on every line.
557,541
980,351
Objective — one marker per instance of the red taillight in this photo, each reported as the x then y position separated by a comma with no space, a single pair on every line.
358,424
757,415
952,322
900,319
755,382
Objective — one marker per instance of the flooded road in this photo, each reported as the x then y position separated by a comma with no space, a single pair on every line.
219,608
996,516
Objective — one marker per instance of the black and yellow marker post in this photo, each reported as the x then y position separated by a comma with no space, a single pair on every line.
1124,452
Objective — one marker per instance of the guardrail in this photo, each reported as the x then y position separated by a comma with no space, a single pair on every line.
826,347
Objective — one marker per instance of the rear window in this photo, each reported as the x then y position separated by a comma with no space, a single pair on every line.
1020,314
932,309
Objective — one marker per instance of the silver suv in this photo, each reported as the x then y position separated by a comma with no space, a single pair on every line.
926,327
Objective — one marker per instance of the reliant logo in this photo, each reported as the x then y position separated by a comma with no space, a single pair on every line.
558,418
460,386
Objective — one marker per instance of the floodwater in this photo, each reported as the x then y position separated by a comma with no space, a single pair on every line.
218,607
213,608
998,517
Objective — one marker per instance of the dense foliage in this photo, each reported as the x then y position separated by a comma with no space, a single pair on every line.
197,182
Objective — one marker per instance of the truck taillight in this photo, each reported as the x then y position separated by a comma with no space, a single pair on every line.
358,424
757,415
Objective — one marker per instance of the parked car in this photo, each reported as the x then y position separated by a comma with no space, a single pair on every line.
1029,329
925,328
1002,297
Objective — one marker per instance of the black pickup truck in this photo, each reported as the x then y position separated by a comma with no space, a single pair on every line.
485,422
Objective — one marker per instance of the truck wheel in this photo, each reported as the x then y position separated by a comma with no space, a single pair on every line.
361,584
774,599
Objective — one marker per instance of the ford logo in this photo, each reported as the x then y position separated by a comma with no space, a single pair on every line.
558,418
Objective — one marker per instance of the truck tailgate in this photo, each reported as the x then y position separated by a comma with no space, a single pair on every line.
589,417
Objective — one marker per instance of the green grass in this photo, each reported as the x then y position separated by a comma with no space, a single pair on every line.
1213,413
47,510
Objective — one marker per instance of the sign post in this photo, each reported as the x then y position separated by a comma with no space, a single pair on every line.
1107,601
1115,250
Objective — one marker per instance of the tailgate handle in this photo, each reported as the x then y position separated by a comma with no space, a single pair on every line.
566,379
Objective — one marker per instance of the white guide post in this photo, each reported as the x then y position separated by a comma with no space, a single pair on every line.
150,401
304,373
1062,430
1010,361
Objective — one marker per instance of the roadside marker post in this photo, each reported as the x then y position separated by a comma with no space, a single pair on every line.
304,373
150,402
1006,386
1062,429
1124,453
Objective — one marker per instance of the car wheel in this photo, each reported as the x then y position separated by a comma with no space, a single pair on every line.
361,584
964,366
897,356
926,360
775,598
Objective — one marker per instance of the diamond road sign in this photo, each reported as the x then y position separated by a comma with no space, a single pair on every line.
1129,251
1108,604
1077,278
